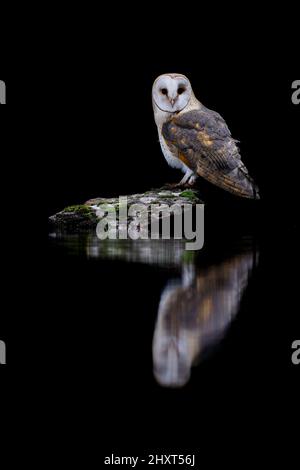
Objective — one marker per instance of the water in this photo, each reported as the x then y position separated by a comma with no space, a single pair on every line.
169,344
197,303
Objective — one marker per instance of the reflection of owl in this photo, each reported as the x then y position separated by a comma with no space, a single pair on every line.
193,316
196,139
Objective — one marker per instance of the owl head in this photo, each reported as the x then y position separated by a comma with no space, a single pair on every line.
171,92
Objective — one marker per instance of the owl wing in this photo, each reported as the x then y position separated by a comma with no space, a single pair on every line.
204,143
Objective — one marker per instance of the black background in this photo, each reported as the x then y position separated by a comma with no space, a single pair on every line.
79,124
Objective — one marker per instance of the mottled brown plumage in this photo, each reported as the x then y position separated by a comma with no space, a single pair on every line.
204,143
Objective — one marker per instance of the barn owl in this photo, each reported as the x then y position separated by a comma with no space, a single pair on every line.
197,140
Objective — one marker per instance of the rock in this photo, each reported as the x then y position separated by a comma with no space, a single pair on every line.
75,218
87,215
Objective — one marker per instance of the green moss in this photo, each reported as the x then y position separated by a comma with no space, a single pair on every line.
79,209
189,194
188,256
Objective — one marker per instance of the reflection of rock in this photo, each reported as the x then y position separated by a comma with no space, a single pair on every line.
194,314
74,218
164,253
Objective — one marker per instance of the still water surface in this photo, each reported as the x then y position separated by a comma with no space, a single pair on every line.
197,304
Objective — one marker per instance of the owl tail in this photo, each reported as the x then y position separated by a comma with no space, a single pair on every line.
238,181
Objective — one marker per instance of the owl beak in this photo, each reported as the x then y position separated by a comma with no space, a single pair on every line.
172,101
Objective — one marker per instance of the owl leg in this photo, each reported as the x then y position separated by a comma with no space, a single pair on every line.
189,179
186,177
192,179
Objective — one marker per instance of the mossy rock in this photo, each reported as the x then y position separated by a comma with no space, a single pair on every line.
86,216
75,217
79,209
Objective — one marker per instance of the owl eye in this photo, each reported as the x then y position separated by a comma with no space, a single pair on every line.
164,91
180,90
